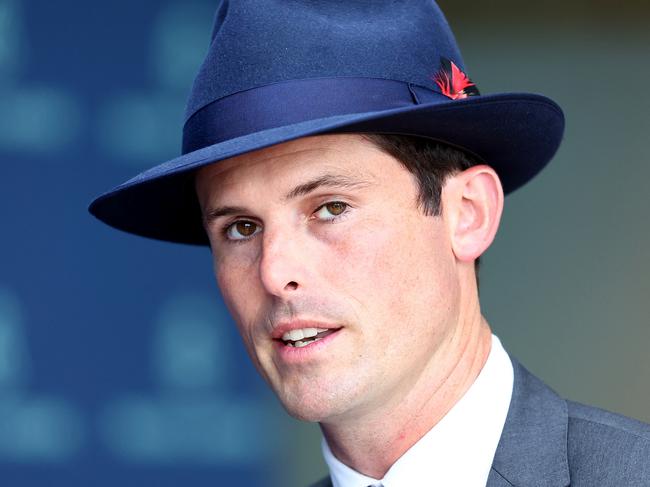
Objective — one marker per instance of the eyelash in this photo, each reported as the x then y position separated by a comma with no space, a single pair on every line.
227,228
335,218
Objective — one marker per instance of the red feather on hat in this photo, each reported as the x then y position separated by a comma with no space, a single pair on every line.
453,83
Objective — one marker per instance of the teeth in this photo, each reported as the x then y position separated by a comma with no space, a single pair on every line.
295,335
302,343
310,332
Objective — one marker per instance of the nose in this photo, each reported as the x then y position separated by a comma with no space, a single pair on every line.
283,263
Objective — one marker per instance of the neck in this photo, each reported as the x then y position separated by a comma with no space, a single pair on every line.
372,443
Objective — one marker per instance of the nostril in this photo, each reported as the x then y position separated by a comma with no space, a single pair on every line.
291,286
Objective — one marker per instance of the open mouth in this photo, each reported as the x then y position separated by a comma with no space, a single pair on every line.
306,336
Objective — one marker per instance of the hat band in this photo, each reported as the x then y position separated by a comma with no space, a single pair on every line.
290,102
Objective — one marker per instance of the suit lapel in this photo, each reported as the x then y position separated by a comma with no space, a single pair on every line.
496,480
533,445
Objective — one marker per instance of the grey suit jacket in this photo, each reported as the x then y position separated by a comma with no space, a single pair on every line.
550,442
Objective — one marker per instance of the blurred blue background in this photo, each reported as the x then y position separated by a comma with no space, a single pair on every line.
118,362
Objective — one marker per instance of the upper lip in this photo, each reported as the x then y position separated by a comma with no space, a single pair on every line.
284,326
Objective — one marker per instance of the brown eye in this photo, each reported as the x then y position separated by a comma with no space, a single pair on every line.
329,211
336,207
242,230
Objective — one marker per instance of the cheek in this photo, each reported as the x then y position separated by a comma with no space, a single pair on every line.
235,269
244,300
365,262
397,272
236,281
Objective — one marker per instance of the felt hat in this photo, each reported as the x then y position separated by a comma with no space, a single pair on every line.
278,70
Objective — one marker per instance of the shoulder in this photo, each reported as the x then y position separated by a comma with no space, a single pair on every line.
607,447
590,419
563,442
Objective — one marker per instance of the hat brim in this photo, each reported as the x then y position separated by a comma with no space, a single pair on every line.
515,133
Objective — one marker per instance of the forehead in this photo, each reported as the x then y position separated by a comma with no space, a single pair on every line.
347,155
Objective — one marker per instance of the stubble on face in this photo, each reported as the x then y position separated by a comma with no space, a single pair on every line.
384,273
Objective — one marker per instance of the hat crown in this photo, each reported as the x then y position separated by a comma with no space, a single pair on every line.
261,42
278,70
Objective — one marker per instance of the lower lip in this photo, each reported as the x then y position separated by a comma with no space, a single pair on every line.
292,355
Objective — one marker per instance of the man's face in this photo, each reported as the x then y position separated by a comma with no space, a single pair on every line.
324,235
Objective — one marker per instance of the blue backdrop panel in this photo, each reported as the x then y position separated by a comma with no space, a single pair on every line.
118,362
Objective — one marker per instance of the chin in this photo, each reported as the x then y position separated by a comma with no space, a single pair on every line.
307,407
315,403
301,414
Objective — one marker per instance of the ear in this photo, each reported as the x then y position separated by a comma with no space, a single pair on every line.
472,203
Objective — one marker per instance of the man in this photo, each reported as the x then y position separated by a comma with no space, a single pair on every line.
348,175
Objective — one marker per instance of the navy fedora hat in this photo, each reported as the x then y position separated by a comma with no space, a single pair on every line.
278,70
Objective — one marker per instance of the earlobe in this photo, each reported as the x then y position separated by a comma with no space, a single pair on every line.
475,203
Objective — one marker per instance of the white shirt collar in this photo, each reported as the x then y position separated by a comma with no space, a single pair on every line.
467,435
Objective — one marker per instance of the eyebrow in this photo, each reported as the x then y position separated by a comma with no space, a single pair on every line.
328,181
214,213
325,180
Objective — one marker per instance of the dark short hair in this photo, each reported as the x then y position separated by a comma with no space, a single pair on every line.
431,162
